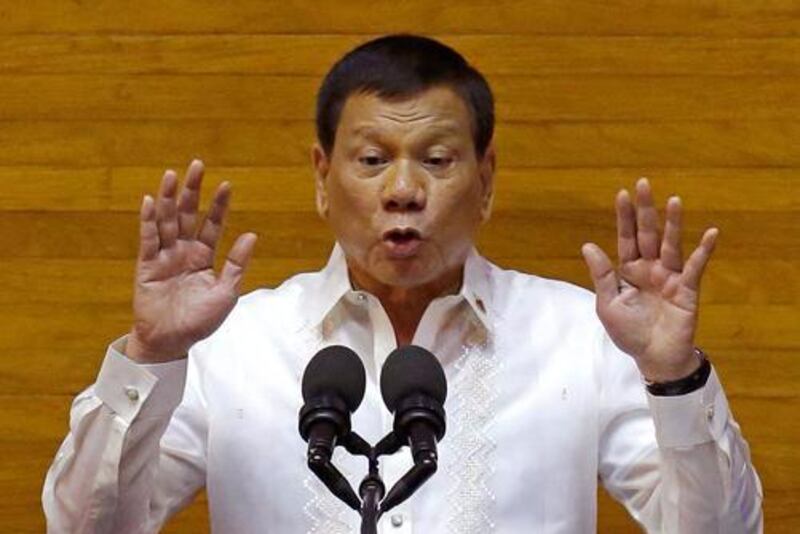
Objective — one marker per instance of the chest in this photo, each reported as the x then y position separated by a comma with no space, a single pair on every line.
520,449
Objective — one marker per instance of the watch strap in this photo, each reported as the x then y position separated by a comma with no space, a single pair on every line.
684,385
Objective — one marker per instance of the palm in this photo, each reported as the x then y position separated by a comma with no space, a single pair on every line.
649,304
654,314
181,288
178,298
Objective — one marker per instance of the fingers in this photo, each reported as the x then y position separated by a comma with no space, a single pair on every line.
189,200
166,210
638,235
696,264
602,272
627,249
148,230
211,230
238,257
646,221
169,218
671,253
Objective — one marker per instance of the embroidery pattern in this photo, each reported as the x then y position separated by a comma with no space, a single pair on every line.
470,442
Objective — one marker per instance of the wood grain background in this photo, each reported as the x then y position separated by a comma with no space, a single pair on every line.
97,97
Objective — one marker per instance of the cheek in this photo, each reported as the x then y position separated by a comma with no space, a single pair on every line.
352,204
458,210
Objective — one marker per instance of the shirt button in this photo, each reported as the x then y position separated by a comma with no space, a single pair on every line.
361,297
132,393
397,520
710,412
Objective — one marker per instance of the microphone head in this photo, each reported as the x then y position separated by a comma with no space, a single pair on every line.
412,370
335,370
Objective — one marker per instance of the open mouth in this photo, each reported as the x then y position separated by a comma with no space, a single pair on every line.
402,242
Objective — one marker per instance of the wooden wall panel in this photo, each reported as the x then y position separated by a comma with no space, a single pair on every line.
312,55
517,189
578,17
286,98
546,144
97,98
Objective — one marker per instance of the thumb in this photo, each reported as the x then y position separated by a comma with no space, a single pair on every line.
602,272
237,260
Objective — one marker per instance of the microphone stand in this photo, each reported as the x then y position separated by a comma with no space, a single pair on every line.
371,490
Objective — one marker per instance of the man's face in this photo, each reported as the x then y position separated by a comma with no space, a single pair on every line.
403,189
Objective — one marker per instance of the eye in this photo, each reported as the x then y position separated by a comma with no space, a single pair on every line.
372,161
438,161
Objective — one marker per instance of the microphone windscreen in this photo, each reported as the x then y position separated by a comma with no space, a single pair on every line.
335,370
409,370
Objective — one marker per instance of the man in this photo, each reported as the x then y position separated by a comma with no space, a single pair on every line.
544,397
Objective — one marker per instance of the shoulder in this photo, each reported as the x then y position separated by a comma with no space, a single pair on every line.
553,317
265,312
515,292
282,305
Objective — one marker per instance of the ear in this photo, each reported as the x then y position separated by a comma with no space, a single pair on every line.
321,165
486,169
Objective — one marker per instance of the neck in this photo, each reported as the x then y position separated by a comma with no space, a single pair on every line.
406,305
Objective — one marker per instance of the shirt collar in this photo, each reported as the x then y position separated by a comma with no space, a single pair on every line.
334,283
476,288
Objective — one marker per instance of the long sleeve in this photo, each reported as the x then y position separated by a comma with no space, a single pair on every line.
135,453
678,464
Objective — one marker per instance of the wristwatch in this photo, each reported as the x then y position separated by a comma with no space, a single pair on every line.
685,385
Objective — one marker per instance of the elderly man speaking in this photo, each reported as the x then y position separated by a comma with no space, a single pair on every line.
552,388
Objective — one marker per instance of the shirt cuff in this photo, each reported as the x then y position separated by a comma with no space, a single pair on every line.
134,390
685,421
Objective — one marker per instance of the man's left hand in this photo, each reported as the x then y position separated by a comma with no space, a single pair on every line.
649,304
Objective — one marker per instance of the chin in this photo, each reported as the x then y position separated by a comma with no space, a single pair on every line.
404,273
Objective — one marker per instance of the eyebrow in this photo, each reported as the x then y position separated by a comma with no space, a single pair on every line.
367,131
438,130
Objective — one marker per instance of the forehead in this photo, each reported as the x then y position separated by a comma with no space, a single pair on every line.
436,110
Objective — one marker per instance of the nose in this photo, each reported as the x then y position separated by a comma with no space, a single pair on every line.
404,189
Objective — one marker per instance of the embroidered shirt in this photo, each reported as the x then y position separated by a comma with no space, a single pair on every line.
541,406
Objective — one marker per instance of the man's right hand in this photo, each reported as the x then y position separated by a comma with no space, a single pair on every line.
178,299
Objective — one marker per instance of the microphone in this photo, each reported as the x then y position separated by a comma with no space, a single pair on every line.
414,388
333,388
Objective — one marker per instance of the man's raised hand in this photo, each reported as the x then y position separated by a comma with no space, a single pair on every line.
178,299
649,303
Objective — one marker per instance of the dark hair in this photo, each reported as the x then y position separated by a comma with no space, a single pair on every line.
397,66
